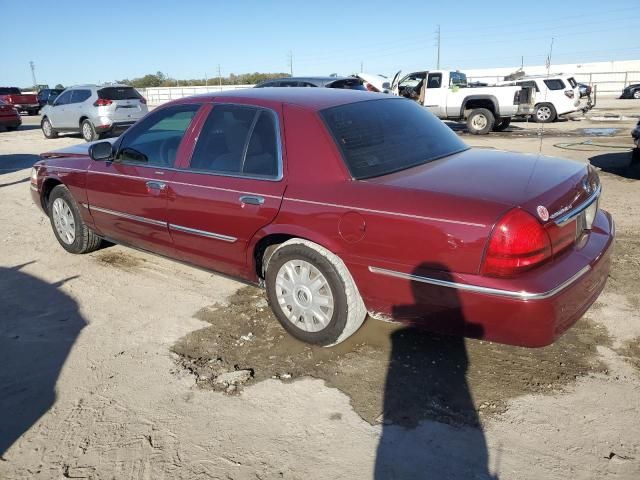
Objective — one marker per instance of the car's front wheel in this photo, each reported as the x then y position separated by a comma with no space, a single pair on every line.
68,227
636,94
313,294
88,131
47,129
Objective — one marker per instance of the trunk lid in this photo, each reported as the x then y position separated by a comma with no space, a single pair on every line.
23,98
125,103
510,179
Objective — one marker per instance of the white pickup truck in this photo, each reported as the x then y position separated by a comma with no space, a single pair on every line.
449,96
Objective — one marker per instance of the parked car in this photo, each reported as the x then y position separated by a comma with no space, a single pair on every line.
631,91
328,82
94,111
375,82
342,203
9,116
555,96
635,134
48,95
449,97
23,102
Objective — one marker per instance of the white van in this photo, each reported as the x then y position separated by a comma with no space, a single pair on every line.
555,95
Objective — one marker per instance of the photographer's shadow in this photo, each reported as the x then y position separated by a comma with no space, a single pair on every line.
431,429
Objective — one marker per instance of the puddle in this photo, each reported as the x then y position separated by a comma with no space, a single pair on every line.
600,132
407,374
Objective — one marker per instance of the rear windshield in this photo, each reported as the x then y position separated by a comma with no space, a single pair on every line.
348,83
9,91
572,82
378,137
119,93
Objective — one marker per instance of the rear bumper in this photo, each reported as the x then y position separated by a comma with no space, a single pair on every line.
115,127
27,106
10,121
530,312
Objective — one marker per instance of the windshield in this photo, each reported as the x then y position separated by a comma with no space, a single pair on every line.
9,91
378,137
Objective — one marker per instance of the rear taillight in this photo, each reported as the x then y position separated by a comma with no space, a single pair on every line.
518,243
370,87
102,102
569,93
143,100
516,98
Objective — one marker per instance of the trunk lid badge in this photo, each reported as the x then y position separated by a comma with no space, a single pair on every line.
543,213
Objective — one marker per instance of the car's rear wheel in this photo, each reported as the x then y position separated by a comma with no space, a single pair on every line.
88,131
312,293
68,227
544,113
47,129
480,121
503,124
636,94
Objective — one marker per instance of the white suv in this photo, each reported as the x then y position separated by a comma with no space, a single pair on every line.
94,111
555,95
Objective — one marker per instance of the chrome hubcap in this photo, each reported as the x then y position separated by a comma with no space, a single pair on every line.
304,295
479,122
636,94
86,130
47,127
64,221
544,113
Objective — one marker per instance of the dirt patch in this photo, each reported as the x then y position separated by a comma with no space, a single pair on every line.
625,269
120,260
631,352
391,373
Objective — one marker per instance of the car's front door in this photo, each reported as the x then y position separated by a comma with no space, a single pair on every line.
127,197
231,187
435,94
57,114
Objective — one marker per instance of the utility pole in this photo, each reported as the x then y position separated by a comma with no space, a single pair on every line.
219,77
438,45
291,62
361,67
33,73
206,80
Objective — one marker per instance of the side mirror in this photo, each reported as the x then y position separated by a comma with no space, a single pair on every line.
101,151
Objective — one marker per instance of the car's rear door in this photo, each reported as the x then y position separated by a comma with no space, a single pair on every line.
128,196
231,187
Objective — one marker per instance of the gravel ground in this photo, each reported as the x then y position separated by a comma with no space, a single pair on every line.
120,364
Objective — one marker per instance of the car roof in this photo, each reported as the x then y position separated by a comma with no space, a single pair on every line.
311,98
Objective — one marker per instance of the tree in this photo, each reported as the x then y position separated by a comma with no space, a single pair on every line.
59,86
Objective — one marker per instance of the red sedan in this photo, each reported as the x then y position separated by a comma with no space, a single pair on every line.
9,116
342,203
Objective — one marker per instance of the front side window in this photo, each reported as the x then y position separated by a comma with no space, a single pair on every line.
378,137
155,140
238,140
64,99
554,84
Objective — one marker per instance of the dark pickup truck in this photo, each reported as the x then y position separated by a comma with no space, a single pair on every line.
27,102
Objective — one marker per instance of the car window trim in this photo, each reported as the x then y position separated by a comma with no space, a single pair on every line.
280,165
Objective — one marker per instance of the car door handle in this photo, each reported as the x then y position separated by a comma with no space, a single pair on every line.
251,200
153,185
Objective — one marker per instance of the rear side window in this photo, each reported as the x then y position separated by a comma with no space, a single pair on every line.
78,96
238,140
383,136
119,93
10,91
572,82
554,84
154,141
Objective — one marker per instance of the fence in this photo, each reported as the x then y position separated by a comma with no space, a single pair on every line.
159,95
607,82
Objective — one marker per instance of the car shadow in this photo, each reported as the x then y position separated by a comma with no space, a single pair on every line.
14,183
622,164
16,161
24,127
39,326
431,429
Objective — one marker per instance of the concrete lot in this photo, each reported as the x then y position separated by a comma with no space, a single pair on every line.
105,361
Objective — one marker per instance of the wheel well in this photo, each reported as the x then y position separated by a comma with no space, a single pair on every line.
48,185
82,119
480,103
262,246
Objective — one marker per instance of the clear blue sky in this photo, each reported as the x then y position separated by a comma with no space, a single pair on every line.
88,42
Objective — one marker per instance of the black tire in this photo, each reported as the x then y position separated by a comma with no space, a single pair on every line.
88,131
635,155
85,240
348,309
32,112
636,94
544,113
47,129
502,124
480,121
11,129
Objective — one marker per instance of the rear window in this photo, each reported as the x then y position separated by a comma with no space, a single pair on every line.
348,83
119,93
383,136
572,82
9,91
554,84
